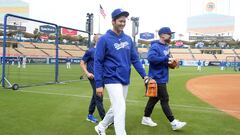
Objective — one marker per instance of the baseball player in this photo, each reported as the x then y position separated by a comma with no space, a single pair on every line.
199,68
24,62
68,63
158,57
222,65
114,55
87,66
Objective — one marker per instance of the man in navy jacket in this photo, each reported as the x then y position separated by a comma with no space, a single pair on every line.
158,57
114,55
87,66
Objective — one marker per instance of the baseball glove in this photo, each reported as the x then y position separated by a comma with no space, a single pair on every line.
151,87
174,64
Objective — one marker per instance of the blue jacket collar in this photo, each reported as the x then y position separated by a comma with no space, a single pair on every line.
114,34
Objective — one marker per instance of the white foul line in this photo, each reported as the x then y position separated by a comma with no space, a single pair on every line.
193,108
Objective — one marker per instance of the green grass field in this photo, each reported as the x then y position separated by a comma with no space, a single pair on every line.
61,109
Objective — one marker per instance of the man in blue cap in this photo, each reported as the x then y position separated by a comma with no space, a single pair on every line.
159,58
114,55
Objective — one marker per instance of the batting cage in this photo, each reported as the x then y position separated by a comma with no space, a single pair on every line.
36,52
72,45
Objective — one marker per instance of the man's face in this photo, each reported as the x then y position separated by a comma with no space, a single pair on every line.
96,37
166,38
119,23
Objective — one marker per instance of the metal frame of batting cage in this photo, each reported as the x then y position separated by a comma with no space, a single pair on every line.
89,36
15,86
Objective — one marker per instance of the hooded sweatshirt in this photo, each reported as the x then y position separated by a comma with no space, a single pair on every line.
113,58
158,56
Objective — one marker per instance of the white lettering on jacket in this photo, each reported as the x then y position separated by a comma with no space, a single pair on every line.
121,45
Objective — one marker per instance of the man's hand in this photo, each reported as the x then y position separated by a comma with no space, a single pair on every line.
100,91
171,60
90,76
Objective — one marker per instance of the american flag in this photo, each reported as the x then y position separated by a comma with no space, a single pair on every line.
102,11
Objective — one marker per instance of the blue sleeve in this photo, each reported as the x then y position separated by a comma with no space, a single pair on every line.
86,56
136,61
154,58
98,62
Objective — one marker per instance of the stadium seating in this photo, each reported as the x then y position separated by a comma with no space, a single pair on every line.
237,51
31,52
182,56
69,47
75,53
223,56
195,51
44,45
84,48
52,53
227,51
27,44
9,52
204,57
178,51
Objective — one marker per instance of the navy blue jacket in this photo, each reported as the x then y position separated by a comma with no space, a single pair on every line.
88,58
158,56
113,58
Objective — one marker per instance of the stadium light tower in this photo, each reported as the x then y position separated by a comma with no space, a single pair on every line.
135,26
89,27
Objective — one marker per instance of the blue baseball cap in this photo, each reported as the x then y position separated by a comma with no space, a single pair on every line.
119,12
165,30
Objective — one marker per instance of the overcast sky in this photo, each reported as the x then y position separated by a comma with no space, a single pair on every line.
153,13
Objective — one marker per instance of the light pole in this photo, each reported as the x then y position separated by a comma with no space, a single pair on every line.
89,27
135,26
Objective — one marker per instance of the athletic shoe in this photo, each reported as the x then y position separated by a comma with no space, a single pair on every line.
176,124
148,122
99,131
91,118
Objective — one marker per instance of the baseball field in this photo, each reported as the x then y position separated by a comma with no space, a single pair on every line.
61,109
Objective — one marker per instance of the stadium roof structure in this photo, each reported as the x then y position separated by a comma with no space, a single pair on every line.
210,24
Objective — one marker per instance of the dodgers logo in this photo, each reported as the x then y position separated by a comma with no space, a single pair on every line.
166,52
121,45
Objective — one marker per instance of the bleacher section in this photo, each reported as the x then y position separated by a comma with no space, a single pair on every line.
76,53
48,50
44,50
26,45
52,53
84,48
181,54
195,51
228,51
43,45
9,52
223,56
209,57
31,52
69,47
237,51
179,51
